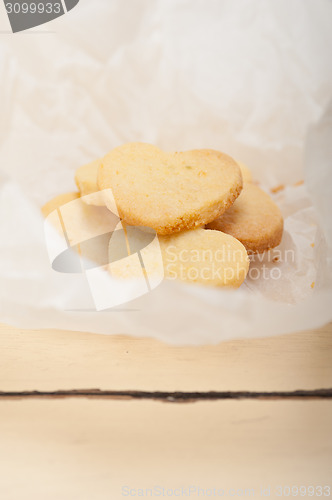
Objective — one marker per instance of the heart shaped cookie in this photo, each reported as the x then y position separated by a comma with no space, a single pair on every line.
254,219
205,257
194,256
86,181
86,228
169,191
58,201
245,171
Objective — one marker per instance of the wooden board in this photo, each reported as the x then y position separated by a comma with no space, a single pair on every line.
81,449
58,360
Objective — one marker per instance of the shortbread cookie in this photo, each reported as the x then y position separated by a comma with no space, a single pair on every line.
169,191
254,219
245,171
194,256
135,253
86,181
58,201
86,228
205,257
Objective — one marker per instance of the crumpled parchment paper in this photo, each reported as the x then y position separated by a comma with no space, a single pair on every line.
252,79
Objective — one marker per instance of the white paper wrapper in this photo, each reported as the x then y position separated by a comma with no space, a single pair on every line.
252,79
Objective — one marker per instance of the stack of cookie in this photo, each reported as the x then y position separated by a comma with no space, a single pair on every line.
202,204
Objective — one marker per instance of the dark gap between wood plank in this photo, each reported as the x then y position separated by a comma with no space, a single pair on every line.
169,396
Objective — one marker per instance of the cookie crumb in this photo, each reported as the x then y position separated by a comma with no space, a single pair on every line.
299,183
312,284
312,245
275,259
277,188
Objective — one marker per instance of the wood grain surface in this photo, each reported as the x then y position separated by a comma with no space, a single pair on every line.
57,443
82,449
62,360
